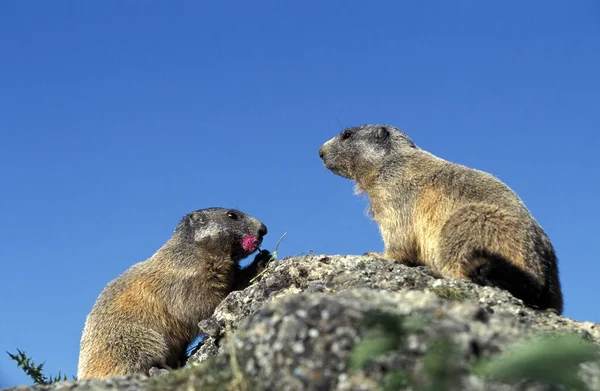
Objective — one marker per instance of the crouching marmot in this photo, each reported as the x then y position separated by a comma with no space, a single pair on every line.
147,316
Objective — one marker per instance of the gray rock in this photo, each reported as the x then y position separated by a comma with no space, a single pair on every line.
131,383
297,326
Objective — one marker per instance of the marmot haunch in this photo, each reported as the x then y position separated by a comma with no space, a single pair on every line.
147,316
459,222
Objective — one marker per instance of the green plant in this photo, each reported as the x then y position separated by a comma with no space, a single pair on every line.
550,359
217,373
385,332
35,372
452,293
268,257
239,382
440,366
395,380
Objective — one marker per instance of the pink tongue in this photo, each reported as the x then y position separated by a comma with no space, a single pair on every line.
249,243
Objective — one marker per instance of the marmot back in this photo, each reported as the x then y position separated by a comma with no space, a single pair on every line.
460,222
147,316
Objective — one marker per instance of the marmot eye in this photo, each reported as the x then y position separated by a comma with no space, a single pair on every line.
346,134
232,215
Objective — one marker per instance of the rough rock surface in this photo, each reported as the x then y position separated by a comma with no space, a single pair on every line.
296,326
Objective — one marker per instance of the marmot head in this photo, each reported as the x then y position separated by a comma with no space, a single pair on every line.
222,231
359,153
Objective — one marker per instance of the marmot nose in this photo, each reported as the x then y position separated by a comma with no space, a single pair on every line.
321,153
262,231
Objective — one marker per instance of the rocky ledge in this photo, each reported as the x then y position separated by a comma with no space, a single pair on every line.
334,322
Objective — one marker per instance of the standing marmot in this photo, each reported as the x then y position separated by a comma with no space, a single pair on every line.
147,316
460,222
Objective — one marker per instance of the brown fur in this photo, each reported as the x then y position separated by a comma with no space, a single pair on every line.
459,222
146,317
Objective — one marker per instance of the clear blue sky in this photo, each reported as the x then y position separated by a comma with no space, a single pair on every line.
118,117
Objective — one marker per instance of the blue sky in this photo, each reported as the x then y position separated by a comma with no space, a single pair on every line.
118,117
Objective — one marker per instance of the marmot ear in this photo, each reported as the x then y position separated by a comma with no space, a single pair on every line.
382,133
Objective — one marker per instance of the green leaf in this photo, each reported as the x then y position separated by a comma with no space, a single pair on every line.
553,360
389,323
370,348
395,381
35,372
